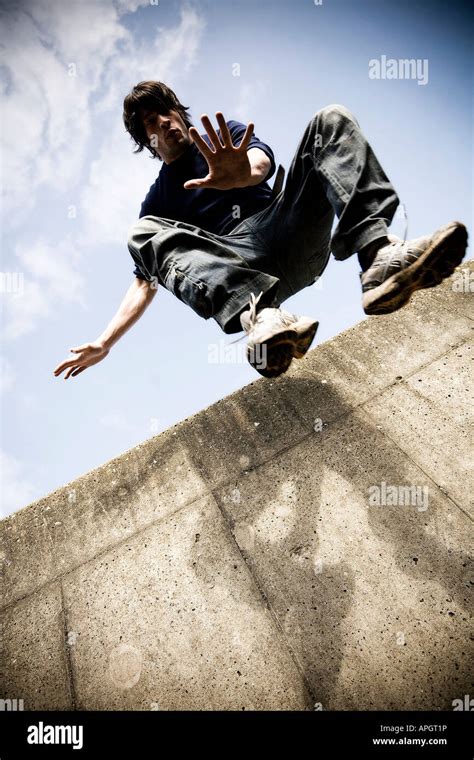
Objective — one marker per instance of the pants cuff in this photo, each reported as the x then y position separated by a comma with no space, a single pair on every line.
228,318
342,250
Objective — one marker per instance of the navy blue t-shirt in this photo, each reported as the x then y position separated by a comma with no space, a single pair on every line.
210,209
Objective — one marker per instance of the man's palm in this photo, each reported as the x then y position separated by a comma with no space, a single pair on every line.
229,166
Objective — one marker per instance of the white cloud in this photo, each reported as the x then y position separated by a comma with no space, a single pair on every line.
16,490
48,122
57,124
51,114
51,277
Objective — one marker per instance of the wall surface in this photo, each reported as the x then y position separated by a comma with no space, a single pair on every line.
266,553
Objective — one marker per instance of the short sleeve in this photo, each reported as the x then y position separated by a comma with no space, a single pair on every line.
150,203
148,207
237,131
144,208
138,273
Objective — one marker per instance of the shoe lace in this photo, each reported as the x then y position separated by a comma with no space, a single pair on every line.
404,216
253,317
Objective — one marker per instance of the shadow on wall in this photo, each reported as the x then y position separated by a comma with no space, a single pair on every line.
363,593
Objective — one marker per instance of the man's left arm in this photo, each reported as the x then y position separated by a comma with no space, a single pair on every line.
260,166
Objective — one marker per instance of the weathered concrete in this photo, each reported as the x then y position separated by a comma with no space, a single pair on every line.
240,561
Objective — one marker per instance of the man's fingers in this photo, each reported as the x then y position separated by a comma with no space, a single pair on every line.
85,355
247,136
69,372
200,143
225,133
78,371
74,370
72,362
191,184
64,365
211,132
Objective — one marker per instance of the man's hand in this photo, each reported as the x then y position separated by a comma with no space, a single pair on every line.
87,355
229,167
137,298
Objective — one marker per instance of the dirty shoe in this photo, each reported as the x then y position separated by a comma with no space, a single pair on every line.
275,337
401,267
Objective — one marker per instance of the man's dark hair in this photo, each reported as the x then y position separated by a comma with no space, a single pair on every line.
150,96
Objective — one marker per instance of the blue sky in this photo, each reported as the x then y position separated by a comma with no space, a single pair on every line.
73,187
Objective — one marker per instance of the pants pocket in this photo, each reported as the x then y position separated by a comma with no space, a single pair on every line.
189,290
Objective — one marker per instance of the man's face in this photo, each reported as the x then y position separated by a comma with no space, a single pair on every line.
167,133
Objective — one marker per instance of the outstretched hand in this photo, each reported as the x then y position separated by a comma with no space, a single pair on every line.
229,166
87,355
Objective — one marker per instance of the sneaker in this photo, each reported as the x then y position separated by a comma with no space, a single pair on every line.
275,337
401,267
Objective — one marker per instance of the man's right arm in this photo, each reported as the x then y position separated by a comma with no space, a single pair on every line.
138,297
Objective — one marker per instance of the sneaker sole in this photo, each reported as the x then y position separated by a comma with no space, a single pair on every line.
439,261
272,357
306,329
282,347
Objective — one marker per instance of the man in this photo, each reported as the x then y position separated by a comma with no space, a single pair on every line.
212,232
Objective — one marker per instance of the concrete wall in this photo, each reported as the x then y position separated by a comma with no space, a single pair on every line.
235,561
